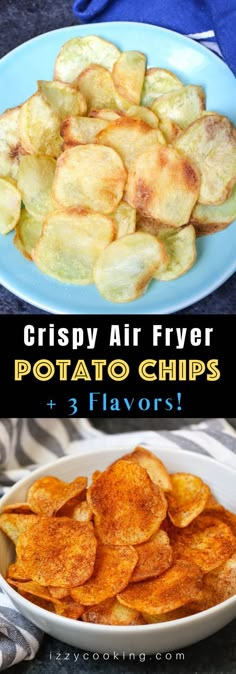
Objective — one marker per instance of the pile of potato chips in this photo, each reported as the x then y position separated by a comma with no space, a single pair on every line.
118,168
137,546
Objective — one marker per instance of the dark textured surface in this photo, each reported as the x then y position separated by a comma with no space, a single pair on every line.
21,20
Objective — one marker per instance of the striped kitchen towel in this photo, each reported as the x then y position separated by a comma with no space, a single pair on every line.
27,443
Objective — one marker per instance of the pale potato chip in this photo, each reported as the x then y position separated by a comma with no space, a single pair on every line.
78,185
106,113
222,581
97,87
64,98
70,244
35,179
129,137
19,246
136,506
151,226
169,129
182,106
14,524
39,127
176,587
48,494
11,148
79,52
181,250
210,142
154,466
112,571
154,557
157,82
163,185
28,232
111,612
80,130
207,541
188,498
123,271
208,219
58,551
10,205
128,75
140,112
124,217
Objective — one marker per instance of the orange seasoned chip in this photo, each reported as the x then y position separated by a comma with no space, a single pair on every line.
58,551
77,511
14,524
111,612
214,509
176,587
69,609
17,572
20,508
206,541
128,507
48,494
154,557
222,581
42,603
188,498
113,569
31,587
154,466
59,592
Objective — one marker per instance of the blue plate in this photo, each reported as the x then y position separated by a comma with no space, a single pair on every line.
216,260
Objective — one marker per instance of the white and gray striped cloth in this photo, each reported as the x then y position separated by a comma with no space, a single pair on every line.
27,443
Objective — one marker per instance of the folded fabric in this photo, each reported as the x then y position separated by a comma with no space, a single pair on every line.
205,20
42,440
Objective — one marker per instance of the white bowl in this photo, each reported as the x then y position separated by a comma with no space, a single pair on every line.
134,639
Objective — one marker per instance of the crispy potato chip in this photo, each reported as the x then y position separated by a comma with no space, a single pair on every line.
35,179
20,508
188,498
154,466
111,612
96,474
151,226
207,541
154,557
208,219
38,601
78,185
163,185
31,587
97,87
181,250
169,129
222,581
176,587
58,551
136,508
128,75
39,127
140,112
112,571
157,82
107,114
59,592
125,218
210,142
11,148
69,609
129,137
123,271
216,510
80,130
10,205
48,494
28,232
80,52
70,244
64,98
188,609
182,106
16,571
77,511
14,524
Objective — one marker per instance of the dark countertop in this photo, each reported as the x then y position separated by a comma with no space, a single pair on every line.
21,21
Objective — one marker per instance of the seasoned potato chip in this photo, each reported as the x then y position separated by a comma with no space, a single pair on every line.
80,52
222,581
39,127
176,587
38,601
97,87
207,541
181,250
64,98
20,508
107,114
80,130
169,129
11,148
221,513
14,524
28,232
112,571
188,609
10,205
35,179
208,219
69,609
188,498
182,106
77,511
154,466
123,271
129,137
125,218
128,75
140,112
58,551
58,592
17,572
163,185
111,612
136,508
78,185
154,557
70,244
48,494
210,142
157,82
31,587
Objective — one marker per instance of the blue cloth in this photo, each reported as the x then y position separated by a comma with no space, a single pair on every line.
189,17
